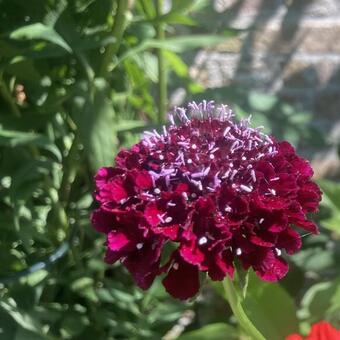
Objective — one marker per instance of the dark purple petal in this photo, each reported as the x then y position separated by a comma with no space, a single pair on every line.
182,280
271,267
102,220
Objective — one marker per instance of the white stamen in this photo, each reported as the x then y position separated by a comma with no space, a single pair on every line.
148,133
253,176
206,171
227,209
246,188
147,142
202,240
272,191
197,175
238,251
156,133
171,119
184,144
139,246
278,251
168,219
189,161
161,217
233,174
211,156
167,181
234,145
227,129
175,266
157,191
198,184
161,157
194,146
185,195
226,174
275,179
193,195
261,220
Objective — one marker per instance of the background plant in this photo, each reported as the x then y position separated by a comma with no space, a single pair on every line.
79,79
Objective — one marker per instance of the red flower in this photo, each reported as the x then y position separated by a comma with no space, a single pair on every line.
210,190
319,331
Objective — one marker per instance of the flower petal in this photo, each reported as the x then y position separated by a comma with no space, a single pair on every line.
102,220
143,264
271,267
182,281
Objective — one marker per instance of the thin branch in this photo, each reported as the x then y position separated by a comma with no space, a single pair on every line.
162,76
117,32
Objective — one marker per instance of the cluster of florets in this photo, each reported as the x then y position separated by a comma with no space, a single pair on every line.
212,192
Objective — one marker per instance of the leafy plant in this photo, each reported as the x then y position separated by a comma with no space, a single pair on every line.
79,79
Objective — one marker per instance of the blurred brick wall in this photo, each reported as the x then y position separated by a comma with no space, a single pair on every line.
289,47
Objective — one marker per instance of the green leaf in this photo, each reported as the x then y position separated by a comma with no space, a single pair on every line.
17,138
35,278
175,18
97,129
270,308
41,32
331,201
322,301
185,6
215,331
178,44
23,319
128,125
176,63
82,283
261,101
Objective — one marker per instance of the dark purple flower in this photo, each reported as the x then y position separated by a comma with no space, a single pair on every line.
212,189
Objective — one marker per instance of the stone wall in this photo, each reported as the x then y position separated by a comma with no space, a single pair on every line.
291,48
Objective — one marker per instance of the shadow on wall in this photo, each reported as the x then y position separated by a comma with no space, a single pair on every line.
289,49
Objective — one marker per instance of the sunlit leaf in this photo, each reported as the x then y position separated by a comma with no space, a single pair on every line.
41,32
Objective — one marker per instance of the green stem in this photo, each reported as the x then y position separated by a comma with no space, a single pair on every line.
162,79
117,32
236,306
70,167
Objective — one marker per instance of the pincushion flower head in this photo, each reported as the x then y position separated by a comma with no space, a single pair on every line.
210,189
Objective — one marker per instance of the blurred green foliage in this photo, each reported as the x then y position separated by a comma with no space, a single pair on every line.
79,79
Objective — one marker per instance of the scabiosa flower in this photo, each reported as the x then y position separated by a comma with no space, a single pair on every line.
209,189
